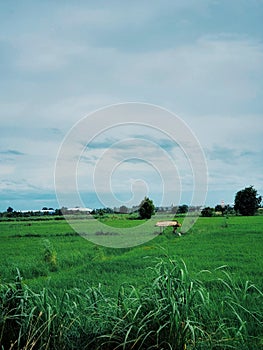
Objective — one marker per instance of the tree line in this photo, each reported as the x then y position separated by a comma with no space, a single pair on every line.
247,202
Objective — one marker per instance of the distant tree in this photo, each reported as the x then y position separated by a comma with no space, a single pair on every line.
9,210
58,212
123,209
107,210
146,209
183,209
44,208
247,201
174,209
207,212
227,209
220,208
102,211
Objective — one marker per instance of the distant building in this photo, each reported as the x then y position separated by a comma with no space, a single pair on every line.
78,209
40,212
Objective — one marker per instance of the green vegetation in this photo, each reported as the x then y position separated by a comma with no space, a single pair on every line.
212,242
182,209
75,294
173,312
146,208
247,201
207,212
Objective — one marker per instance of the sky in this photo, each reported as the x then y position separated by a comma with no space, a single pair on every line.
64,64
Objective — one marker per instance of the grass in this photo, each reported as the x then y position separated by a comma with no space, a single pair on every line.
174,311
79,262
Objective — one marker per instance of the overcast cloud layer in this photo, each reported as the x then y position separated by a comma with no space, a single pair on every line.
60,61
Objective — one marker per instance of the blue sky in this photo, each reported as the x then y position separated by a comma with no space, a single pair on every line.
60,61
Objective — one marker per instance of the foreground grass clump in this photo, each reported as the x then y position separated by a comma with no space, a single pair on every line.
174,312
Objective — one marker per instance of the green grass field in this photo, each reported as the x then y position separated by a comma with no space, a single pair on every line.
51,256
212,242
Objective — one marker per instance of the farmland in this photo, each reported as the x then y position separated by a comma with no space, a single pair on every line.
212,242
50,255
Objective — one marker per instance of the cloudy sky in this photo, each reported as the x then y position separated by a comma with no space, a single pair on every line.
62,60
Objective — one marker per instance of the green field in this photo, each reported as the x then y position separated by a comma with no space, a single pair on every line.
212,242
49,255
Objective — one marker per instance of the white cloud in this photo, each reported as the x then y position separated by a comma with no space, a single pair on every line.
6,169
40,53
213,71
214,74
239,132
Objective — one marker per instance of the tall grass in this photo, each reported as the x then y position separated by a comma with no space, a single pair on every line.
175,311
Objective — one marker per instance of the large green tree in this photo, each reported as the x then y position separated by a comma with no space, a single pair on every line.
146,209
247,201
